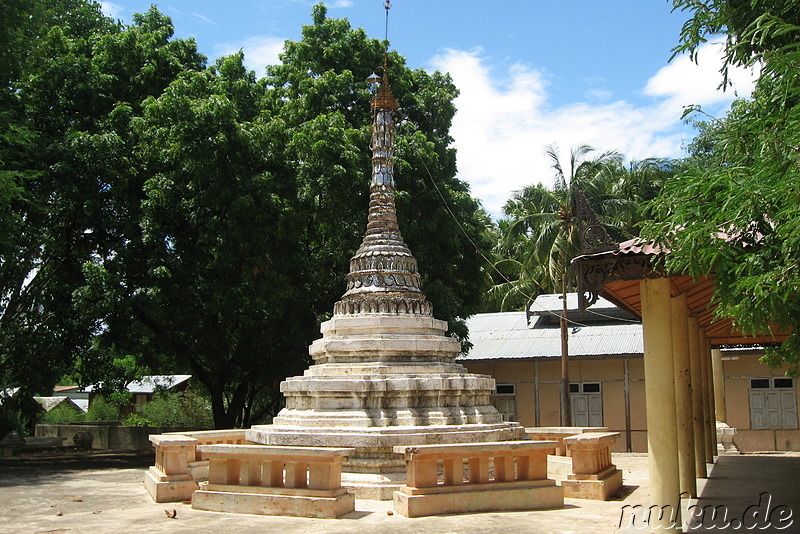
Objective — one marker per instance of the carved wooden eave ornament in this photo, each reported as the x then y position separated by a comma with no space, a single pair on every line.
603,260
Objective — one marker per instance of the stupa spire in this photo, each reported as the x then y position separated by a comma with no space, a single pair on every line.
383,275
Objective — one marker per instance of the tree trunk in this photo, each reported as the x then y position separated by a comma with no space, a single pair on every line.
218,409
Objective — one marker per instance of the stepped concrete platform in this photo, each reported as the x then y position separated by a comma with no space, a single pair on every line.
101,492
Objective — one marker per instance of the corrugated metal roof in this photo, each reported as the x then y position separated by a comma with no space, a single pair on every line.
149,384
506,335
551,303
48,403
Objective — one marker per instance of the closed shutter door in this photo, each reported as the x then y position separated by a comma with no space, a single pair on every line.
506,405
595,409
758,413
789,409
580,409
772,404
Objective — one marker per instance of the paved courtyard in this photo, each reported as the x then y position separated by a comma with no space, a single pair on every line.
103,493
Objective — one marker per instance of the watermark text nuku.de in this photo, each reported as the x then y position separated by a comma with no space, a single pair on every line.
765,514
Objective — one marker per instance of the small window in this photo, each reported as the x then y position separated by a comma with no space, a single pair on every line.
574,388
591,387
759,383
505,389
784,383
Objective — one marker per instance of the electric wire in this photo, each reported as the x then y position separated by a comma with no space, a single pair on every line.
500,273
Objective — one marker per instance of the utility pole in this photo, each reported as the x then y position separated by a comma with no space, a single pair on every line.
566,412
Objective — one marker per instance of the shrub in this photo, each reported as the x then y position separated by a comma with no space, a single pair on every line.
102,410
168,409
62,415
136,419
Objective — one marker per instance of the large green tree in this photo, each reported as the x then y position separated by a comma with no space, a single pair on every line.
255,197
65,74
734,212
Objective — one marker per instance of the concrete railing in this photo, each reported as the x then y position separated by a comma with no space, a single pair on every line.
179,465
558,433
267,480
593,476
213,437
509,475
169,479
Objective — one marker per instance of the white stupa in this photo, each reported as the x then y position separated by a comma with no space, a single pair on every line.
384,371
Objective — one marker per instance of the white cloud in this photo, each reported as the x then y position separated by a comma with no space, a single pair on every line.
685,82
110,9
203,18
258,52
504,121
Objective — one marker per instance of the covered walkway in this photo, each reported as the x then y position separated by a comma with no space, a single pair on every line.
738,482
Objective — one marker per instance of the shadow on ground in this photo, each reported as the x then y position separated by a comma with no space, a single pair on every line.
50,463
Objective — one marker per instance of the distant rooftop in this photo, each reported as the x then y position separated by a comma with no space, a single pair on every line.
603,330
48,403
149,384
551,306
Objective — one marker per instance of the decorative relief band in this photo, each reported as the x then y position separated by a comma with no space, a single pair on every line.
393,305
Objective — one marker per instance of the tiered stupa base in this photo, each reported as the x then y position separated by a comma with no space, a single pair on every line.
383,380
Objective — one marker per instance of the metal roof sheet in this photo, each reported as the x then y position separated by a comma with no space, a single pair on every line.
551,303
149,384
507,335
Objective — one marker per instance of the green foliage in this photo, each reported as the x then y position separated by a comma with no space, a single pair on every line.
102,409
136,419
62,415
72,79
168,409
540,238
734,211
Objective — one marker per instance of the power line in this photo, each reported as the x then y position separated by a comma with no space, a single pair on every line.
492,265
489,262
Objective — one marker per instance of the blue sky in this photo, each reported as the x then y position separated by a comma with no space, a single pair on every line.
531,72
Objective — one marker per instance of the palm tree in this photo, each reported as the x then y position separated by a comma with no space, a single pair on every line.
640,182
543,222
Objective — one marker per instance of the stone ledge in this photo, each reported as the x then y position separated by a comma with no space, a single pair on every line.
383,436
491,500
598,490
295,454
272,504
475,450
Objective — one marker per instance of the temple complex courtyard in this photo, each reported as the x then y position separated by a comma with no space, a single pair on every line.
104,493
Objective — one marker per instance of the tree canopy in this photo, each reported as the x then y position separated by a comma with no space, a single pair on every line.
538,238
198,218
734,211
66,71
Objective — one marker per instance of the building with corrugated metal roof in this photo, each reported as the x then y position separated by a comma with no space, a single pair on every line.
522,351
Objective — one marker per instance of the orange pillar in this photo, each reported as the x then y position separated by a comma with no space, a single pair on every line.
698,409
683,396
659,373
